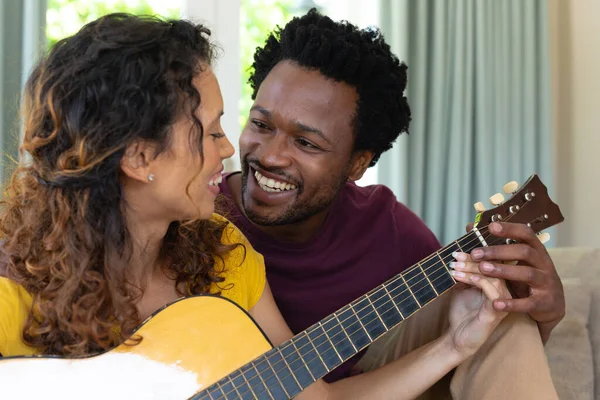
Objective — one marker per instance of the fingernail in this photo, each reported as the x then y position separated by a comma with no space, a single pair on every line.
457,274
500,305
474,278
477,254
496,227
459,256
457,265
487,267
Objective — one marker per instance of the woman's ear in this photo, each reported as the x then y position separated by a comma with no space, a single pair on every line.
137,160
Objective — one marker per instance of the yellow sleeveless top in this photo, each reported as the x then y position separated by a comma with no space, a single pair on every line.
244,275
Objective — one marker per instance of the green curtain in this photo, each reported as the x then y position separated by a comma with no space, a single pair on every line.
479,90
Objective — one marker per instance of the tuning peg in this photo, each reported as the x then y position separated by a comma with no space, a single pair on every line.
543,237
479,207
510,187
497,199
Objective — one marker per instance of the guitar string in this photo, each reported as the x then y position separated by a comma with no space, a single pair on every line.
435,265
305,364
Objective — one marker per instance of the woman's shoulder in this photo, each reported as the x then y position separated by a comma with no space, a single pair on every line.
244,267
231,233
13,296
15,303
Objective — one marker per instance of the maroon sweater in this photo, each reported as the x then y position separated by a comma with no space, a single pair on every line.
367,238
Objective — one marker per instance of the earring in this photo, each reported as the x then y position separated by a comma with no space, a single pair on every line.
150,177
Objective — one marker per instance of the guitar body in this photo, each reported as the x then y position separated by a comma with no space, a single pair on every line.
186,346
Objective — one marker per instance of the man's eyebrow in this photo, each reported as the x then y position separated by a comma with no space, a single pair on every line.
305,128
299,125
261,110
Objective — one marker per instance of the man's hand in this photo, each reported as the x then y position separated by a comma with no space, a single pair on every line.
534,280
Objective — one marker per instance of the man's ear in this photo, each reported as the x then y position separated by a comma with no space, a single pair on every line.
359,164
136,162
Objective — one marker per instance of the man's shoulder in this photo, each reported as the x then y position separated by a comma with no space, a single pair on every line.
378,203
371,196
377,198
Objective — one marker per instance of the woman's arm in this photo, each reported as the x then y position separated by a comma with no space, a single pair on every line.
417,371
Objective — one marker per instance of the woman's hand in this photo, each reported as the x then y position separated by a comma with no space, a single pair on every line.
472,315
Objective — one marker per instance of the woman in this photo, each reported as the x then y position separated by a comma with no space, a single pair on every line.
113,217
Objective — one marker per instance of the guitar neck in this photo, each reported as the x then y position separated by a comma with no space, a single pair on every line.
289,368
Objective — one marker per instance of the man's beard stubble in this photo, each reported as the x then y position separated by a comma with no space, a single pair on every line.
297,211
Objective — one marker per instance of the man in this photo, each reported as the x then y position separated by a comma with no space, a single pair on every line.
329,100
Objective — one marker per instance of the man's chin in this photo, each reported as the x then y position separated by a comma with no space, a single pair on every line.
260,217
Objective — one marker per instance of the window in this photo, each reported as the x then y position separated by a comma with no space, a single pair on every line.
66,17
259,18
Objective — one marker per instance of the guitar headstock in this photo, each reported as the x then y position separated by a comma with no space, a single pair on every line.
530,204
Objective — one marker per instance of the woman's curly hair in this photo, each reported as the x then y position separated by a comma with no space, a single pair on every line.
357,57
121,78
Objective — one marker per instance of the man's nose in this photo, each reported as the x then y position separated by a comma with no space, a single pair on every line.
276,152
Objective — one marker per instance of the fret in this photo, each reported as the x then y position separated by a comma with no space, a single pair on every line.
311,348
445,254
438,274
214,393
360,319
410,290
228,388
459,247
242,386
392,300
270,379
219,391
367,315
443,263
326,337
284,373
324,346
263,386
419,285
468,242
337,334
356,332
376,311
296,364
429,280
293,342
386,307
251,375
403,298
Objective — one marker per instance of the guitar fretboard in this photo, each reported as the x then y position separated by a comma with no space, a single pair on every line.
286,370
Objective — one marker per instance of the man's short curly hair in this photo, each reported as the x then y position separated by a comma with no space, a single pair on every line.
344,53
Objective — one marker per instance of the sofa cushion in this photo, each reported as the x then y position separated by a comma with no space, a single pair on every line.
569,349
574,347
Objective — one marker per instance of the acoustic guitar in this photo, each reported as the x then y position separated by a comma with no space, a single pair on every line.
206,347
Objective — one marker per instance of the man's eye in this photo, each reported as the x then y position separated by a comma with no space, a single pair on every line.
306,143
259,124
217,135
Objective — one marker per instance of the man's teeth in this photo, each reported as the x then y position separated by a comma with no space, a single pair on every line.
216,181
271,185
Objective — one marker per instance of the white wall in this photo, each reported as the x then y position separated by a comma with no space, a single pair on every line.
362,13
575,59
223,19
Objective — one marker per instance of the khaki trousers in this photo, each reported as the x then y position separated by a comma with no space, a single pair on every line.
511,364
